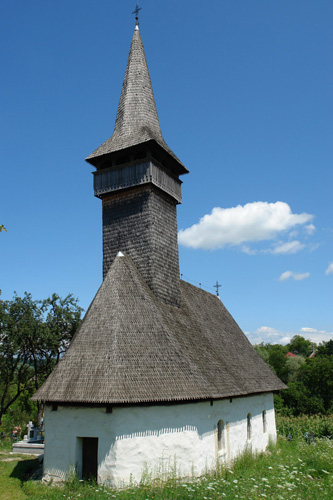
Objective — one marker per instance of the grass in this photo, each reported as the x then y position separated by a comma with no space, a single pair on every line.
13,472
291,470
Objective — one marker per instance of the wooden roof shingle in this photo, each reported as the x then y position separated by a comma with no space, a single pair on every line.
132,348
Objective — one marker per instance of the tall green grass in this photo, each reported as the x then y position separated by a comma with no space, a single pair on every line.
297,427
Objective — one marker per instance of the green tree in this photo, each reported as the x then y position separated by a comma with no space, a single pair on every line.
310,391
310,381
325,349
295,398
293,365
33,337
300,401
262,351
317,377
2,228
277,360
299,345
17,318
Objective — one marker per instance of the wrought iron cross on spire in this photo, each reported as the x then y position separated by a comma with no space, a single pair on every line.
136,12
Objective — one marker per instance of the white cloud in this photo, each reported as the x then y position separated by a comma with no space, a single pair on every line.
310,229
253,222
269,335
314,246
289,247
264,334
248,250
329,270
306,329
315,335
295,276
267,330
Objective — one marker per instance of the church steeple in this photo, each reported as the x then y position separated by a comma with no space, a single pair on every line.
137,179
137,119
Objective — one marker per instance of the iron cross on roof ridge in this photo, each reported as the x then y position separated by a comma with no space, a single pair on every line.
136,12
217,286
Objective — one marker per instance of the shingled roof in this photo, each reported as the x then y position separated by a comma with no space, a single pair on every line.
137,119
133,348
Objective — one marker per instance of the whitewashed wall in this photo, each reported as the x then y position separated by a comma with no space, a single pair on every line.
155,439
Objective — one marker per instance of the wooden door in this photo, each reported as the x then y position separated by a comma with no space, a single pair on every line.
89,458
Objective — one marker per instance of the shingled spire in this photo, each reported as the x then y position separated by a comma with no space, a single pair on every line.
137,119
137,179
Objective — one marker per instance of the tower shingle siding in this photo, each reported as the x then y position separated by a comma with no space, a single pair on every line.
142,223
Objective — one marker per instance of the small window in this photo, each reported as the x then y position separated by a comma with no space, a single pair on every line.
264,422
220,435
249,427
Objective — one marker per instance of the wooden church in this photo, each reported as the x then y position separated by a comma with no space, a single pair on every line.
159,374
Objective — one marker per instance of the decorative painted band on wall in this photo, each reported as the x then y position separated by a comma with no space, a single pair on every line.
130,175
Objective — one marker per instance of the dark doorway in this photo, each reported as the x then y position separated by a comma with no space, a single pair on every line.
89,458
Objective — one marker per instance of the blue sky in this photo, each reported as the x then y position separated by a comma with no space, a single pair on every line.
244,95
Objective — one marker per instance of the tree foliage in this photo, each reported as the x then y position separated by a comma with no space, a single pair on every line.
299,345
33,336
325,349
292,366
309,380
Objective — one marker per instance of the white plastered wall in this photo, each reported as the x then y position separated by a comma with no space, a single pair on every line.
158,440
